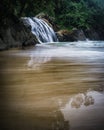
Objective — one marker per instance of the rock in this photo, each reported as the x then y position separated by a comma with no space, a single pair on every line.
25,22
78,35
91,34
64,36
16,34
74,35
49,20
2,45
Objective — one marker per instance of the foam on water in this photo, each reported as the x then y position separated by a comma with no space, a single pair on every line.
84,109
76,51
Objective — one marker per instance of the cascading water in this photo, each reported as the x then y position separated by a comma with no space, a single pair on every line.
41,29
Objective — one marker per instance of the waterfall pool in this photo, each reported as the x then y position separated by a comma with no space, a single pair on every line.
53,86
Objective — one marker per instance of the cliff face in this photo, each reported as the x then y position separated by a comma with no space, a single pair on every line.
15,34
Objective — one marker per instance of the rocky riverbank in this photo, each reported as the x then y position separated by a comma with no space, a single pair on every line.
80,35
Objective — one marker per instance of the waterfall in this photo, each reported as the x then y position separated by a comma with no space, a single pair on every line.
41,30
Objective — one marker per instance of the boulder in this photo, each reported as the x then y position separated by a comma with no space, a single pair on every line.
64,36
78,34
73,35
91,34
16,34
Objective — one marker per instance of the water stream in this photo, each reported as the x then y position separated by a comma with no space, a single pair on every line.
41,29
53,86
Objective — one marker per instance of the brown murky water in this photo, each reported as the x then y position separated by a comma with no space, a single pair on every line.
43,93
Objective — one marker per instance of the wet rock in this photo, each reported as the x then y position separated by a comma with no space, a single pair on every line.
25,22
82,99
88,100
2,45
15,34
49,20
64,36
77,101
78,34
73,35
91,34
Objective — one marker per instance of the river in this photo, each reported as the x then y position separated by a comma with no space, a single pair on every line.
53,86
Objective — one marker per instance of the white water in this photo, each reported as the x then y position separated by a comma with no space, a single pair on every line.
86,52
83,110
79,52
41,30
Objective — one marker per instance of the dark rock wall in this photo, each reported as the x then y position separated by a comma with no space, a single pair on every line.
80,35
16,34
93,34
74,35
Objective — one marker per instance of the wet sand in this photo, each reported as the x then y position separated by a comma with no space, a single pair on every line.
55,95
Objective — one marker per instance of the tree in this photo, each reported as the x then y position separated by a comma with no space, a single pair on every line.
68,13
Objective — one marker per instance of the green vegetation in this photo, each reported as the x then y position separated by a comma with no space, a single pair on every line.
83,14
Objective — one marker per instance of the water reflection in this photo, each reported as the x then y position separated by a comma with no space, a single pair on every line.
36,62
13,119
